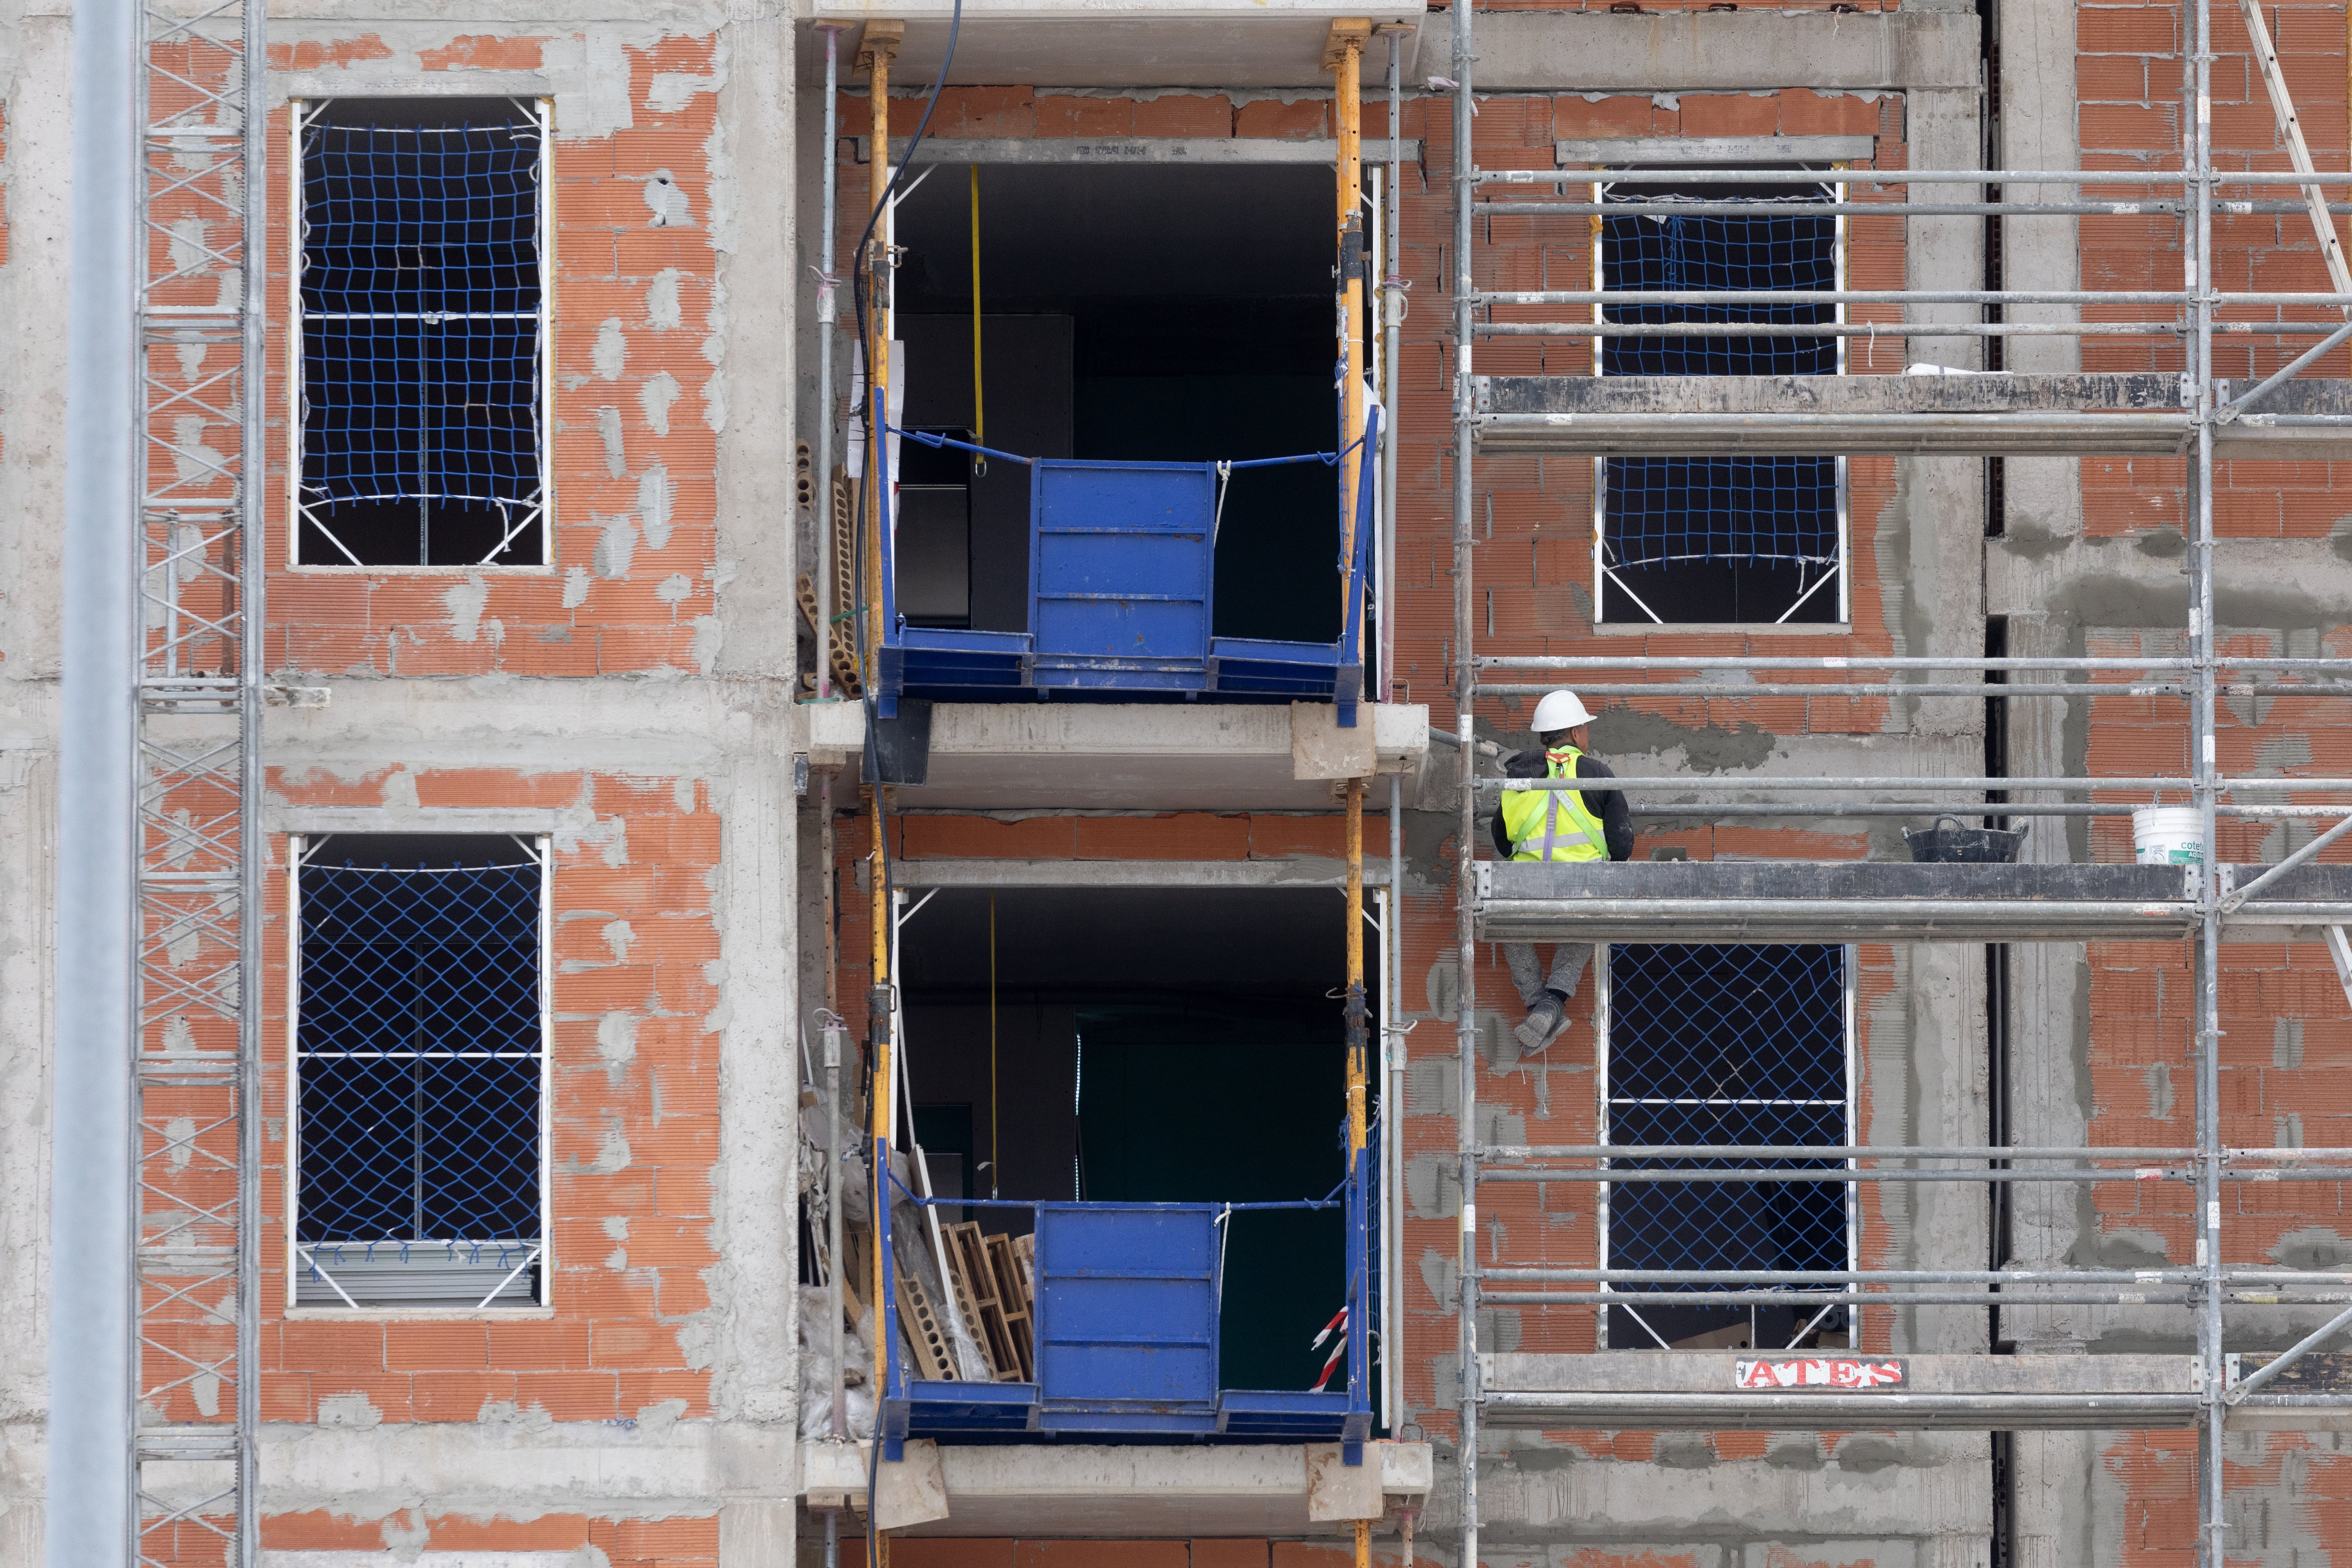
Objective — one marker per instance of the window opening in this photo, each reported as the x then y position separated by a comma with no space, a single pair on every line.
420,249
1213,1065
1187,317
417,1143
1719,539
1724,1045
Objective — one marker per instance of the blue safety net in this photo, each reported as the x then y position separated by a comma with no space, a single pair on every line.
419,1049
1729,1044
1745,510
421,318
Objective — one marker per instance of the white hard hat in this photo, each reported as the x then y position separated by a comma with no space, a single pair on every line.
1559,710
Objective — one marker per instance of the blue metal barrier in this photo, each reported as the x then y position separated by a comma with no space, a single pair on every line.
1122,568
1125,1320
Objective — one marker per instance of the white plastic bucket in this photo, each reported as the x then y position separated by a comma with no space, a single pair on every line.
2168,835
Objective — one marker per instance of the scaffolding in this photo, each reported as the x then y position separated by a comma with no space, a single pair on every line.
2194,414
201,199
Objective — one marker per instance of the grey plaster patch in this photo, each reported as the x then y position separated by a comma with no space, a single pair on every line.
709,635
2163,543
466,603
663,313
1796,1451
610,356
617,546
575,587
352,1409
1867,1455
2286,1043
2158,1078
667,202
654,498
1684,1451
616,1045
655,399
2318,1248
1713,748
2277,756
1438,1275
2131,1248
654,1420
608,433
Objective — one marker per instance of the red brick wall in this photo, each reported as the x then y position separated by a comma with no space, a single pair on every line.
588,614
636,1133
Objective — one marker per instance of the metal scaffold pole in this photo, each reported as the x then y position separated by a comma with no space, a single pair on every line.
196,454
1607,418
2202,643
1466,699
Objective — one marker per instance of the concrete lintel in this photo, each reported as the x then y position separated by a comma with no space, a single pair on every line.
1696,51
939,872
522,819
657,1469
1128,151
1217,44
1712,151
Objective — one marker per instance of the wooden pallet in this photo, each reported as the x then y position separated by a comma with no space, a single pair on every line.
969,1297
1015,1298
976,1279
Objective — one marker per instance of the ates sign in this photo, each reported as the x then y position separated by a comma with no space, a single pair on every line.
1818,1373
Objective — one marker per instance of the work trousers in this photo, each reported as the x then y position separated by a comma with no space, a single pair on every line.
1567,961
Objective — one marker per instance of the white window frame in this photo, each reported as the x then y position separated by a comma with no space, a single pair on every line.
298,1255
1603,1016
1601,573
297,224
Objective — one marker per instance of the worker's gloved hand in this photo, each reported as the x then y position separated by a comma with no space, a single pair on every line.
1525,766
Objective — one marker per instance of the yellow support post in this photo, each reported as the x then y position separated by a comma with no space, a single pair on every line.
1343,55
875,51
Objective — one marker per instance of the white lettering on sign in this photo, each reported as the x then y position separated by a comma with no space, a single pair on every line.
1840,1374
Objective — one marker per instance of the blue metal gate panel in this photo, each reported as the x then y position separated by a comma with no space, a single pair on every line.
1120,574
1127,1311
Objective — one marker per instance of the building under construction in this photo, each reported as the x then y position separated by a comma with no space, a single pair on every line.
748,765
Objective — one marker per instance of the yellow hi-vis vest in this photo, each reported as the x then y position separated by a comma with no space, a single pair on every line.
1553,824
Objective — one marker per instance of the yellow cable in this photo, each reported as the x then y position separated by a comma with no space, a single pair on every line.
979,413
994,1170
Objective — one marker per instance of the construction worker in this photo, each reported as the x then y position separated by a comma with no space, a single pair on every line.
1556,825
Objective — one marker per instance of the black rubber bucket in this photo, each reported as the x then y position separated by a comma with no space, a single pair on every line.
1950,843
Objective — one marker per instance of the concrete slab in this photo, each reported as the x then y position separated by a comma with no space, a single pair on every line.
1902,414
990,756
1661,1389
1806,901
1034,1490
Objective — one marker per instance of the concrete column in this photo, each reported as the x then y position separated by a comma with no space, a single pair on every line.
2037,130
758,240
